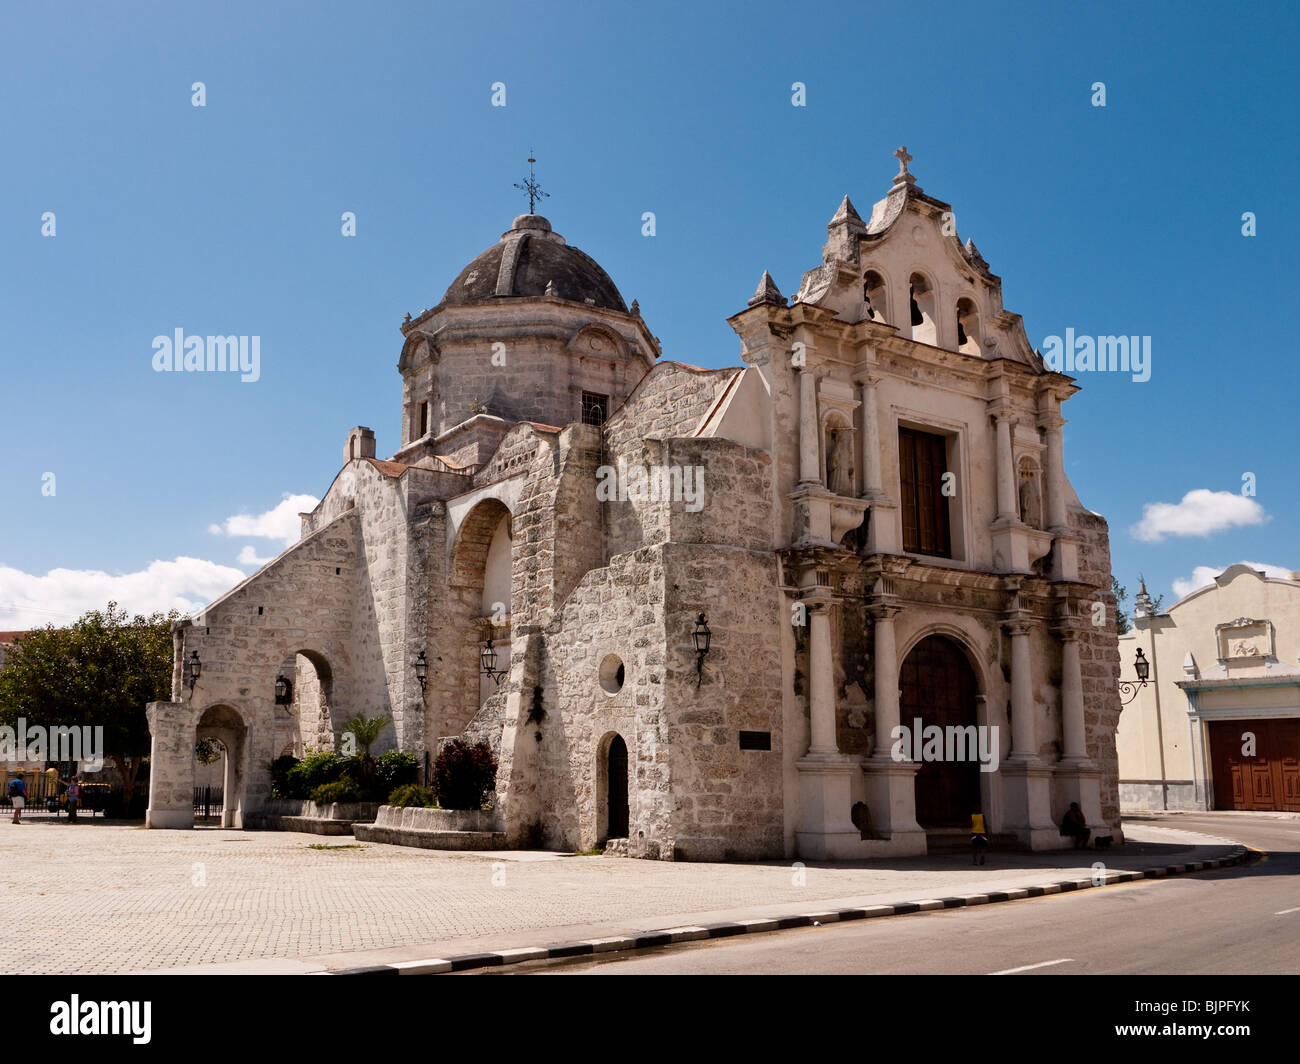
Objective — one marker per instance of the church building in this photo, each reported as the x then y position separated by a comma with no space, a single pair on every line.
828,603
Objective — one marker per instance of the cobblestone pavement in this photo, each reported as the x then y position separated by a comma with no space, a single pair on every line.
101,897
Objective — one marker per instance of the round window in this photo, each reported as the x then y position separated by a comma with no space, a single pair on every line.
611,674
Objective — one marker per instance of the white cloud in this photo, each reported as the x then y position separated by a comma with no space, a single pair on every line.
280,522
1200,513
62,595
248,556
1204,575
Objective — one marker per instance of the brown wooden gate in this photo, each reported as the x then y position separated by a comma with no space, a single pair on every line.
1270,780
938,686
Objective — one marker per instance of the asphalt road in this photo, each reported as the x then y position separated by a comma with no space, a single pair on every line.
1239,920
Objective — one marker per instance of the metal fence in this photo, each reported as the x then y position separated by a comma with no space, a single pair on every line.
208,802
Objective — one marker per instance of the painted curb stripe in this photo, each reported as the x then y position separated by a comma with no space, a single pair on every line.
690,933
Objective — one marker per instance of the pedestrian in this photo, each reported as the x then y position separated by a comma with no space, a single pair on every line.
74,797
1075,825
979,839
17,797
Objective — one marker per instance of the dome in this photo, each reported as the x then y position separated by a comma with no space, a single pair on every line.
533,261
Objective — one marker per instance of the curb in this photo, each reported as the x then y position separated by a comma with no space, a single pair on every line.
691,933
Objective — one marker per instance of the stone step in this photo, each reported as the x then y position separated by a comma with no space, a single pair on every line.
431,840
958,841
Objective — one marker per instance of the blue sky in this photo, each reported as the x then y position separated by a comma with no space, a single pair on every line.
225,219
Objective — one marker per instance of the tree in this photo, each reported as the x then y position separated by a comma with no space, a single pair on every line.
365,731
98,672
1122,620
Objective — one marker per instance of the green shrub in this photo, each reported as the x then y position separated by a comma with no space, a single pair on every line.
464,775
280,768
412,794
395,768
311,772
338,791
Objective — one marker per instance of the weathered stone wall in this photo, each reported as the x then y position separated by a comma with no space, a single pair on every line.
616,610
670,402
727,802
1099,661
304,600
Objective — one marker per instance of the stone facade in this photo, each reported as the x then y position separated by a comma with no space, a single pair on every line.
593,510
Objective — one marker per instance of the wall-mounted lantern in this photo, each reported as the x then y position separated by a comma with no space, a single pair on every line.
193,668
421,670
283,691
1127,687
487,657
702,637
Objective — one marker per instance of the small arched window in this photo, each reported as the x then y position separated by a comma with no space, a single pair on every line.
921,296
874,296
970,340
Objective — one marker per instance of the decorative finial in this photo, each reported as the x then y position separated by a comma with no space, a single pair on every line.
531,186
903,159
636,308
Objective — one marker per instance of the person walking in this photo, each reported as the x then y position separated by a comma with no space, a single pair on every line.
74,797
979,839
17,797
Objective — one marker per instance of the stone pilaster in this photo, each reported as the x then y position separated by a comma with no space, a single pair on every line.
171,765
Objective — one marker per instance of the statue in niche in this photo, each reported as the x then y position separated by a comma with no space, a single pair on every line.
839,460
1031,512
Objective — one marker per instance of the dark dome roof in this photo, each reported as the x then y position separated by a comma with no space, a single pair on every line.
525,261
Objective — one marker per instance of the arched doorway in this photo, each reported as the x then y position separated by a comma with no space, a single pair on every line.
937,685
616,789
225,725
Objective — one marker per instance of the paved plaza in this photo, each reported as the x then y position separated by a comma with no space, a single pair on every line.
106,897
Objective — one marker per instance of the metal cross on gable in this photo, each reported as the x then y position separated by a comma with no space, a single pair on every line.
531,186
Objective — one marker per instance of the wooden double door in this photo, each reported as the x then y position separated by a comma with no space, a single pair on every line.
938,687
1266,777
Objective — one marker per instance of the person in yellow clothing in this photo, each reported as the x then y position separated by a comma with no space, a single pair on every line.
979,839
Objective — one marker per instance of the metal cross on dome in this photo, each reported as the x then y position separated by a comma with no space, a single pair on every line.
531,186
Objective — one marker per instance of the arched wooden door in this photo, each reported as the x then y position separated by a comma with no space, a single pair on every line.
938,686
616,776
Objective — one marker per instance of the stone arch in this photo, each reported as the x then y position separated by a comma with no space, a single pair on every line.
613,788
875,294
314,712
970,331
480,582
923,296
965,640
224,722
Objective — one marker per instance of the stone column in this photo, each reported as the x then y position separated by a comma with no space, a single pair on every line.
1024,744
1055,471
1027,781
810,466
1072,732
871,486
821,683
886,674
890,784
1007,508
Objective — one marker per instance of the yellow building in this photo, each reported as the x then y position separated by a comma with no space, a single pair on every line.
1217,726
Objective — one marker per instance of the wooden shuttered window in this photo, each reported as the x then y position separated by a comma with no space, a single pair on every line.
922,461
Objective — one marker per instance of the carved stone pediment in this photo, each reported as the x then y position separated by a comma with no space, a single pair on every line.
1245,639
